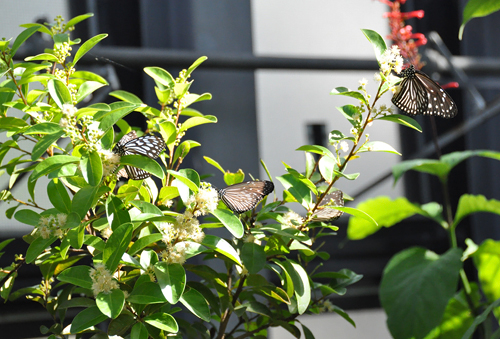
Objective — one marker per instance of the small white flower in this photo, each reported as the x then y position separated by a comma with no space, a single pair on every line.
292,219
363,82
61,219
377,77
69,110
102,280
344,146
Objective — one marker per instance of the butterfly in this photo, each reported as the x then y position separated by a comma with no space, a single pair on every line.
327,213
419,94
245,196
149,145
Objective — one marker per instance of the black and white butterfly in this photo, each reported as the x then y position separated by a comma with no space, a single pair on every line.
419,94
326,212
149,145
245,196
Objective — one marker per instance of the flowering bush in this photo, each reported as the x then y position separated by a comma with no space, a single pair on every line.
138,237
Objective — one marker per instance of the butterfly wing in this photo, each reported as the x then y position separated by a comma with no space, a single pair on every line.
419,94
327,213
148,145
245,196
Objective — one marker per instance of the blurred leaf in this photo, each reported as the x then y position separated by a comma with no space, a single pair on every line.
195,121
480,319
431,166
415,289
195,65
139,331
214,163
253,257
43,128
21,38
469,204
487,262
346,92
77,19
477,9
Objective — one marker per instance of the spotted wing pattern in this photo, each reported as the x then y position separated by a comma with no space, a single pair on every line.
418,94
148,145
325,212
245,196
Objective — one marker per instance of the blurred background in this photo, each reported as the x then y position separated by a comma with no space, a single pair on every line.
271,66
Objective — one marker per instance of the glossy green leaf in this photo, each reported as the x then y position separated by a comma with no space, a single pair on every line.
37,247
111,304
301,284
83,200
172,280
477,9
160,75
43,128
163,321
253,257
126,96
415,289
91,166
188,177
139,331
377,146
298,189
469,204
222,246
147,293
377,42
59,92
386,213
87,46
214,163
141,243
196,303
58,196
87,88
44,143
196,121
480,319
143,162
21,38
487,261
108,119
28,217
402,120
316,149
11,124
116,246
195,64
77,275
230,221
346,92
78,18
88,317
116,212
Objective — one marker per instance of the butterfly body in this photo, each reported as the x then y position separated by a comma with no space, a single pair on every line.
419,94
245,196
326,213
148,145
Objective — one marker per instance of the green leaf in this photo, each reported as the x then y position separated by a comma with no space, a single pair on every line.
253,257
196,303
415,289
300,283
214,163
431,166
346,92
188,177
163,321
196,121
116,246
59,92
77,19
11,124
58,196
377,146
195,65
91,166
143,162
377,42
477,9
37,247
230,221
28,217
87,46
147,293
88,317
386,213
222,246
116,212
21,38
316,149
469,204
83,200
44,143
480,319
160,75
403,120
172,280
87,88
139,331
140,243
126,96
43,128
108,119
111,304
487,262
76,275
298,189
255,307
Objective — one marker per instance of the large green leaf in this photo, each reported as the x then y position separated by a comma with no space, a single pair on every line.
196,303
163,321
83,200
416,287
51,164
353,94
21,38
469,204
59,92
44,143
37,247
403,120
230,221
487,261
300,283
88,317
147,293
298,189
222,246
431,166
377,42
91,166
253,257
111,304
28,217
87,46
143,162
386,213
58,196
195,121
116,212
477,9
188,177
76,275
108,119
116,246
172,280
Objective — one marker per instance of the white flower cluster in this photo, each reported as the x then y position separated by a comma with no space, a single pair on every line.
326,306
203,202
49,226
102,280
292,219
391,60
110,161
